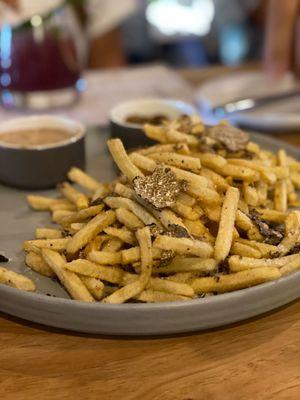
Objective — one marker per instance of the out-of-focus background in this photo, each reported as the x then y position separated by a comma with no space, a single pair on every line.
113,50
194,33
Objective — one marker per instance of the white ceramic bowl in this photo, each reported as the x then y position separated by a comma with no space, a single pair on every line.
132,134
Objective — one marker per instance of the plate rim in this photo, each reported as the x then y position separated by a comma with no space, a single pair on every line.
128,306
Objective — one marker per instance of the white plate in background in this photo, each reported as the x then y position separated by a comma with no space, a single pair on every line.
280,115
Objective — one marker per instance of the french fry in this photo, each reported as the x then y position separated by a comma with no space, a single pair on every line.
213,161
90,231
78,176
177,160
280,196
94,286
155,296
272,215
246,224
243,206
174,136
218,180
244,250
112,245
102,191
237,263
48,233
291,266
105,257
239,280
54,244
167,286
74,196
253,148
94,245
18,281
243,174
69,280
87,268
82,215
265,249
250,194
41,203
295,178
76,226
188,264
266,174
124,191
186,199
197,228
226,225
68,206
133,254
123,234
184,246
185,211
183,277
204,194
171,222
292,234
58,215
122,160
155,132
137,209
262,192
282,158
128,219
180,148
37,264
212,212
133,289
280,172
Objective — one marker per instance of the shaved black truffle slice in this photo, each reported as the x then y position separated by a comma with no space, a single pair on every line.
232,138
160,189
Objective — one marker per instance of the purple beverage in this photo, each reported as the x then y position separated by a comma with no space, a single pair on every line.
38,58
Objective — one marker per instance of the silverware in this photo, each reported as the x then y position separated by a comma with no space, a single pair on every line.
249,103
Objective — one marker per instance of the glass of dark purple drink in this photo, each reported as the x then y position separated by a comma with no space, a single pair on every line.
40,62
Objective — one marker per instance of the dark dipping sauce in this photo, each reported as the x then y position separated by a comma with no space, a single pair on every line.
138,119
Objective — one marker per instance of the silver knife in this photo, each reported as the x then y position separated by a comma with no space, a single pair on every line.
249,103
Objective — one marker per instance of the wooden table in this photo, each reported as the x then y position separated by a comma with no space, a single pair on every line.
256,359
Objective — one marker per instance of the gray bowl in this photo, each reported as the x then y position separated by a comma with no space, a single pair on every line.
42,166
132,134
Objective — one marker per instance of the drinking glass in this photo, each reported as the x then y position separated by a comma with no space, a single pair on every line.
41,61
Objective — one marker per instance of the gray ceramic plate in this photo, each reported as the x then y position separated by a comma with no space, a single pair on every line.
18,223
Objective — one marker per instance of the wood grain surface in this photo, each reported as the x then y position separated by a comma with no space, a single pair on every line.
256,359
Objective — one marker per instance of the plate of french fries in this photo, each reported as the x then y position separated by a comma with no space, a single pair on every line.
197,231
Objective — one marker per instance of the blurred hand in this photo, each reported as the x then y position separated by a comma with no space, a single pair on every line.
282,38
12,3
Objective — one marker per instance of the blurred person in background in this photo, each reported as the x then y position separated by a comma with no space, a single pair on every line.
193,33
282,37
